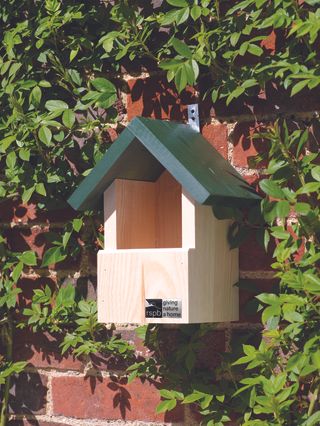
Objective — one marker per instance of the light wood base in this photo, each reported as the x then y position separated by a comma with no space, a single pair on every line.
126,278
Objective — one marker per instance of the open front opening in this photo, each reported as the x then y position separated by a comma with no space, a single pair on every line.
144,214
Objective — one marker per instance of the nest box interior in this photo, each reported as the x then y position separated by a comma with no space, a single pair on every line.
143,214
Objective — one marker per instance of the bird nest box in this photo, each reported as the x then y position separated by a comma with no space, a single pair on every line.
166,257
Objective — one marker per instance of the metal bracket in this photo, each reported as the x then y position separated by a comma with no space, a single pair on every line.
193,117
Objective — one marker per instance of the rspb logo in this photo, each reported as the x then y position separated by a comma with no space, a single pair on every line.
153,308
163,308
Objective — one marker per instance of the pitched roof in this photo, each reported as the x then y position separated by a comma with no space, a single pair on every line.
147,147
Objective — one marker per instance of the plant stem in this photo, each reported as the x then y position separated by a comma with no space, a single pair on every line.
313,400
8,337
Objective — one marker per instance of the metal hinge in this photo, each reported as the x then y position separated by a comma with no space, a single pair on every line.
193,117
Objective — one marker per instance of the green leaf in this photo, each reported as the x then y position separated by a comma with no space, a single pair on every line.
73,54
56,105
103,85
165,393
195,12
268,299
6,142
243,48
11,160
195,396
282,209
181,48
53,255
68,118
180,79
66,238
171,64
195,68
75,76
166,405
45,135
214,95
17,271
77,224
106,100
315,172
24,154
302,208
28,258
235,94
35,96
27,193
272,189
299,86
234,38
40,189
255,50
309,188
178,3
314,419
182,15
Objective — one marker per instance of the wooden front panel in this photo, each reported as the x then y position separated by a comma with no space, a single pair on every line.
126,278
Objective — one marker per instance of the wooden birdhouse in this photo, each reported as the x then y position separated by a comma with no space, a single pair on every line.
166,257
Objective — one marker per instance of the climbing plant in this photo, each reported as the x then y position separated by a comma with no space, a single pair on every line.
57,106
60,64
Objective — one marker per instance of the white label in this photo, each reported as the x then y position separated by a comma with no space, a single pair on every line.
171,308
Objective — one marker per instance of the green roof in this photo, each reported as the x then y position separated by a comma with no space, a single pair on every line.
147,147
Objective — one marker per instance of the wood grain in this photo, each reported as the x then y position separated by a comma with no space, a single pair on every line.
143,214
127,277
213,269
168,212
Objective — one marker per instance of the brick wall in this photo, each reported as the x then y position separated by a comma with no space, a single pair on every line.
57,390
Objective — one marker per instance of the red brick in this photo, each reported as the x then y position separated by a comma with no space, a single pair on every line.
131,337
28,394
42,350
253,180
34,422
269,43
22,239
252,257
107,398
245,147
217,135
19,213
155,97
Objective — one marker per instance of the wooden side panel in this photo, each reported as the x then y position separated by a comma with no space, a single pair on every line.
127,277
188,221
168,212
110,217
213,271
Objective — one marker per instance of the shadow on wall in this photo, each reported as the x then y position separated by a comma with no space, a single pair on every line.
28,397
121,399
155,97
